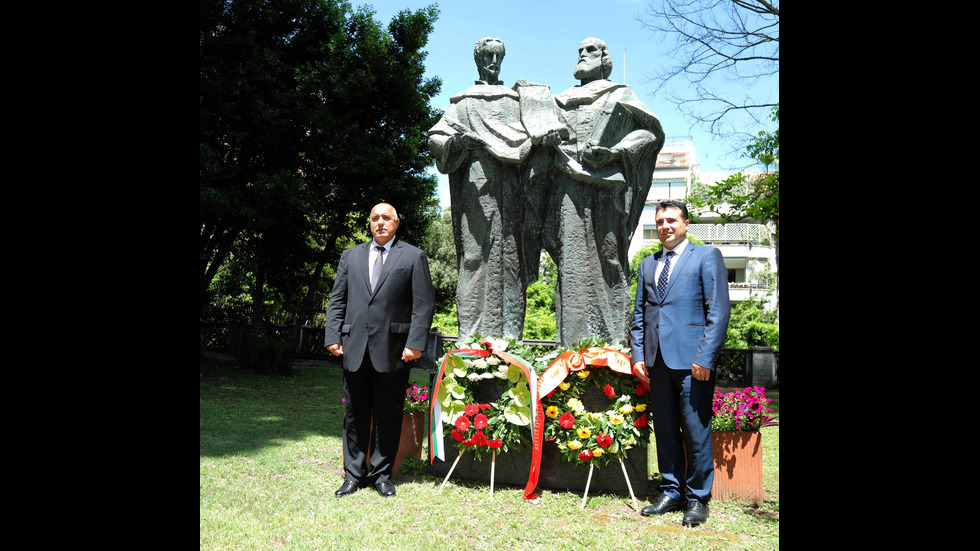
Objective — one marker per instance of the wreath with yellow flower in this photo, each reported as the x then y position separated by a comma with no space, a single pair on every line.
483,397
597,410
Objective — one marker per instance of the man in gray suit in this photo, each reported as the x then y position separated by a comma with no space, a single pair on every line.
378,321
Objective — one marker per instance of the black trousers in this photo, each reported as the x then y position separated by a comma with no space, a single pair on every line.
374,406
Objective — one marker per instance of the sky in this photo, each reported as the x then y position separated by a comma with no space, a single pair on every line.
541,38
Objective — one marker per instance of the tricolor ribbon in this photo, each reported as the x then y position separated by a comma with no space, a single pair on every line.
436,431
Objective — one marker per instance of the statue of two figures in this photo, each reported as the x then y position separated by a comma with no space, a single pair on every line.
531,171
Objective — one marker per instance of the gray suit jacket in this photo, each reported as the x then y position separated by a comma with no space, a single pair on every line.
397,315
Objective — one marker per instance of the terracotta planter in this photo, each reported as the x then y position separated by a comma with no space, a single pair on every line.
738,466
410,445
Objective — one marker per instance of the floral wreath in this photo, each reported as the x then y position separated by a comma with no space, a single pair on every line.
501,425
593,437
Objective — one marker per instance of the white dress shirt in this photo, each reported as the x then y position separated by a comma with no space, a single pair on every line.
673,260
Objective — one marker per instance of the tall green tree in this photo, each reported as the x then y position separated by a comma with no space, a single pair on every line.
310,113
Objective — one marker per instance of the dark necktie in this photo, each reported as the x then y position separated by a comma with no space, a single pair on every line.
378,263
664,274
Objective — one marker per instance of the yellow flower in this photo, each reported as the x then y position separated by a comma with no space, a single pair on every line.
641,407
596,415
564,386
584,432
552,411
576,405
628,443
626,409
597,453
616,419
582,374
574,444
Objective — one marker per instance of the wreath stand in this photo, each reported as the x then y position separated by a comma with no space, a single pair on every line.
588,482
493,468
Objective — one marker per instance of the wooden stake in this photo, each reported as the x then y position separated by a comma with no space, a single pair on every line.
636,507
451,469
587,484
493,468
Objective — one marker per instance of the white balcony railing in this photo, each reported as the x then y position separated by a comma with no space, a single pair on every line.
756,234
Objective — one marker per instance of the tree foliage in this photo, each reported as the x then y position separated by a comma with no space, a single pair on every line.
741,197
310,113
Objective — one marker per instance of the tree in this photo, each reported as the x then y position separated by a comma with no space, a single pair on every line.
717,43
440,248
310,113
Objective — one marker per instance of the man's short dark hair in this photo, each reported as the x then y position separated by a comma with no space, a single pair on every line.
674,203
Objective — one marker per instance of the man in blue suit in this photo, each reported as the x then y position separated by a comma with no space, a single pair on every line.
679,325
378,320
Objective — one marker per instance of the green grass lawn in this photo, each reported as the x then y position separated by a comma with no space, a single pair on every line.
271,460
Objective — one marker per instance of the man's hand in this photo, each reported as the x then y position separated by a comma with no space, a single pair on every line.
410,354
336,349
700,373
640,370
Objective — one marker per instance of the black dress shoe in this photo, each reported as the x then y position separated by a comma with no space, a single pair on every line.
696,513
385,488
349,487
662,504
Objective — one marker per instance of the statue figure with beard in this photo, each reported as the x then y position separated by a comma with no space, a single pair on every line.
599,179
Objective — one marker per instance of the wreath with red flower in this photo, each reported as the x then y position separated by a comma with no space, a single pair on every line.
474,425
617,419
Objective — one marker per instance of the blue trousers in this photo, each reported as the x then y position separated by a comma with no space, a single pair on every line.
681,410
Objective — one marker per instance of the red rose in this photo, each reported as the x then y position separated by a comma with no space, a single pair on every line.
641,389
458,436
471,410
608,389
495,443
604,440
462,424
641,421
480,421
566,421
585,456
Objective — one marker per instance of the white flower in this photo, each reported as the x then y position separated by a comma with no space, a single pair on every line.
473,376
493,360
480,363
500,375
495,344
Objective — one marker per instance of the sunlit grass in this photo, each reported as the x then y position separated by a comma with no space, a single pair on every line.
270,460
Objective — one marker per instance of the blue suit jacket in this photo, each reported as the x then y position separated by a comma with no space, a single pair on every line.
397,315
688,325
